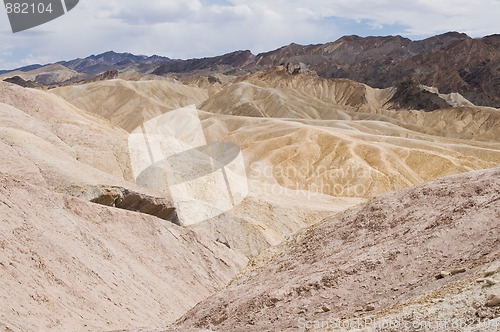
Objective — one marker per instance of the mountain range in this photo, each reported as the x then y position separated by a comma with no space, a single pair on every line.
451,62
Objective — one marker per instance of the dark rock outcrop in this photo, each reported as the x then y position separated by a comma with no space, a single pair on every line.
410,95
126,199
21,82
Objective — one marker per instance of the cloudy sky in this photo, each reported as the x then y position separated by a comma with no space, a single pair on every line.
198,28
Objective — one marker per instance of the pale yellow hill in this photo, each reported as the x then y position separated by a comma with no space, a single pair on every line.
65,132
296,167
366,151
346,158
128,104
46,75
279,95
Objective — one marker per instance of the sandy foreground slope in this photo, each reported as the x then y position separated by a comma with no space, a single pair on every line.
67,263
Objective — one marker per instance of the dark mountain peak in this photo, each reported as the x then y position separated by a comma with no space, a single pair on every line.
294,46
227,62
113,56
245,53
293,53
108,61
492,37
476,45
236,59
294,49
349,38
452,34
445,38
24,69
374,46
493,40
438,42
290,50
372,39
104,54
21,82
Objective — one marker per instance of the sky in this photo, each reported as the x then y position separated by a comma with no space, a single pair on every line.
201,28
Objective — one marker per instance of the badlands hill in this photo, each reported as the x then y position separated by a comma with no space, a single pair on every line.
127,104
46,75
87,246
363,142
278,94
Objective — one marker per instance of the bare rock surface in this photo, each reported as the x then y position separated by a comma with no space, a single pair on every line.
125,199
371,258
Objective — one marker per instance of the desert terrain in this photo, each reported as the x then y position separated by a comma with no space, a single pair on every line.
346,200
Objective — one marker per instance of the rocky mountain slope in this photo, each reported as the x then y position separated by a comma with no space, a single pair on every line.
452,62
96,64
411,247
227,63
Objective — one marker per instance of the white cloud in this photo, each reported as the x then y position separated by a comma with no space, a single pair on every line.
195,28
152,12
